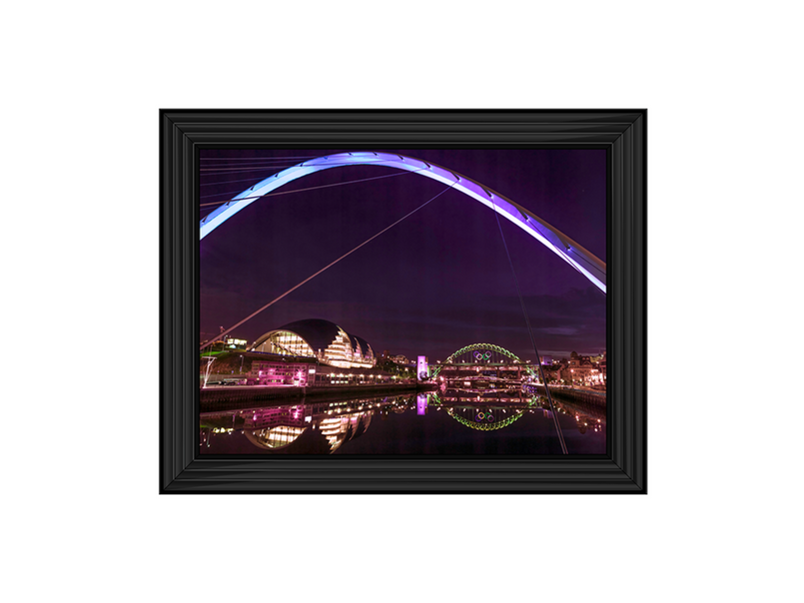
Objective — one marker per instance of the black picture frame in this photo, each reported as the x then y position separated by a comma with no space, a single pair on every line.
623,133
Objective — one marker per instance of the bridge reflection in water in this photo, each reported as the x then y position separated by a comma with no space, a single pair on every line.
449,421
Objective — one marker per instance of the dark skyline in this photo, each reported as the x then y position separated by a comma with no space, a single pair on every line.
432,284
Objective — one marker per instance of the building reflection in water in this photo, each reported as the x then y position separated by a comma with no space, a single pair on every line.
274,428
324,427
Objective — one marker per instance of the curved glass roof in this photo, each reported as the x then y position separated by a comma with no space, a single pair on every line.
320,334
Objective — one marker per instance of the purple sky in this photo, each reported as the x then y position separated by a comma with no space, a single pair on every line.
435,282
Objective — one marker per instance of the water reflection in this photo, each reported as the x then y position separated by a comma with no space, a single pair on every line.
440,422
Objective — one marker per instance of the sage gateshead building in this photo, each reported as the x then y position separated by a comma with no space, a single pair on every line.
317,339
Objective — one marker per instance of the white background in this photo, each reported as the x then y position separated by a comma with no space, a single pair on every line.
83,82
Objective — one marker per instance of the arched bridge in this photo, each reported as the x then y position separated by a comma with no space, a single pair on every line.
478,355
564,247
485,362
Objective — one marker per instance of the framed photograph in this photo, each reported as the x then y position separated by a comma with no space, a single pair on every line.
411,301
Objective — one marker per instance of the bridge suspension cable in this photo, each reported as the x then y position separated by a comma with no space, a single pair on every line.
330,265
255,164
532,339
255,159
256,168
261,178
243,168
299,190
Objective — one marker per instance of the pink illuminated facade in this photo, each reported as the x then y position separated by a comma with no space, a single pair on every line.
281,373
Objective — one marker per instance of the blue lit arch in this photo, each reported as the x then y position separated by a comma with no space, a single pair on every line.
568,250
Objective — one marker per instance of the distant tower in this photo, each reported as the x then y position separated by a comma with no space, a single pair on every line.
422,369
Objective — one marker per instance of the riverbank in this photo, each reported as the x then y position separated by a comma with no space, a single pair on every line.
236,397
592,397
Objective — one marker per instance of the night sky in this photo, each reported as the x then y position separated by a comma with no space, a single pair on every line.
436,282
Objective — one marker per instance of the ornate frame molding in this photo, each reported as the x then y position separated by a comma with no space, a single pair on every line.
622,132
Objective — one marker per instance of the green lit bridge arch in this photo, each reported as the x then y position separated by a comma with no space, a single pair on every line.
488,352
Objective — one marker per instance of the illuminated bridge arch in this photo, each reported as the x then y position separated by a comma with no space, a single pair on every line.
564,247
481,352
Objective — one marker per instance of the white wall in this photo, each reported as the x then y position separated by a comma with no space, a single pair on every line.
82,85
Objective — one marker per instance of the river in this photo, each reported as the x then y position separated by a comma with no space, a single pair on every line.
450,422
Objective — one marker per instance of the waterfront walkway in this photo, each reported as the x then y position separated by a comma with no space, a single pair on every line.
242,396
